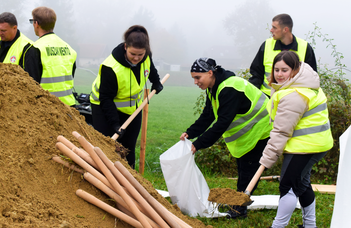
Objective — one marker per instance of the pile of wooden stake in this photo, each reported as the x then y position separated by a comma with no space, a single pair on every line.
135,205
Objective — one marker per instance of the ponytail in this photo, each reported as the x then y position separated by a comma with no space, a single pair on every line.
137,36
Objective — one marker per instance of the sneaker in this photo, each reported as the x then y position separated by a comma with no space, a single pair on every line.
237,212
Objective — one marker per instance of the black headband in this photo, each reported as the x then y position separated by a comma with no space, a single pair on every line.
203,65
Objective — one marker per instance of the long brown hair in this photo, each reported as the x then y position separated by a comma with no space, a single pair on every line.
291,59
136,36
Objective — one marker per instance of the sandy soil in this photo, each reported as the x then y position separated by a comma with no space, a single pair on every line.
35,191
228,196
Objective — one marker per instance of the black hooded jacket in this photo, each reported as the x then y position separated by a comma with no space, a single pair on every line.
231,103
109,86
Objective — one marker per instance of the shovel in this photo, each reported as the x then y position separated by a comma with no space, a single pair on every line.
136,112
252,184
231,197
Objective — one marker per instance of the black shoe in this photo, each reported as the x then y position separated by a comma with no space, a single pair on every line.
299,226
237,212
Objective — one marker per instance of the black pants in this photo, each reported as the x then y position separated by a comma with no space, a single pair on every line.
128,140
295,175
248,164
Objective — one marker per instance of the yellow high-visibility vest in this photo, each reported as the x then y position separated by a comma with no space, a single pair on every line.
130,93
57,58
312,133
246,129
269,55
16,50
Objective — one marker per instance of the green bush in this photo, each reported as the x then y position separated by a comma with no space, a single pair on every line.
217,158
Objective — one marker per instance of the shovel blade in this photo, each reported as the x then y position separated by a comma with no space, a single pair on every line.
248,203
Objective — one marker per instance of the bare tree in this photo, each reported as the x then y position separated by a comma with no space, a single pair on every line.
169,46
249,26
18,8
65,22
145,18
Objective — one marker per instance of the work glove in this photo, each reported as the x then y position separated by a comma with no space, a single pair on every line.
120,131
157,86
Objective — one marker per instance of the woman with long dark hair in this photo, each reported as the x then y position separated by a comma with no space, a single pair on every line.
117,90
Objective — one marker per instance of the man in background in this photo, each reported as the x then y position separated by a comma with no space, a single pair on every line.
13,43
282,39
52,62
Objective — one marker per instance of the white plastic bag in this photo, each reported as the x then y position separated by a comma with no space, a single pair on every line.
186,185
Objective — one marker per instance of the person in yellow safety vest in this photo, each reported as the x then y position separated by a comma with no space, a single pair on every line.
282,39
51,61
236,109
13,43
118,89
301,132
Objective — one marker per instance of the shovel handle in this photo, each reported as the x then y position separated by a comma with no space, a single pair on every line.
254,180
136,112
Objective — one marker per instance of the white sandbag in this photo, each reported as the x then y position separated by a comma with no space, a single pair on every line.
342,195
186,185
266,202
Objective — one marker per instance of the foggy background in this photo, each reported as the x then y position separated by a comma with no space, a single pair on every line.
181,31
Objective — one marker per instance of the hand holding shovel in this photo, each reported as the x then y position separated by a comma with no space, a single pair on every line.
231,197
136,112
252,184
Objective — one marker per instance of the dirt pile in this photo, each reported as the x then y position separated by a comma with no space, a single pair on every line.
228,196
35,191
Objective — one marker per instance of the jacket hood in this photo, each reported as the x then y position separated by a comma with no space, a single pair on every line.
221,75
119,53
305,78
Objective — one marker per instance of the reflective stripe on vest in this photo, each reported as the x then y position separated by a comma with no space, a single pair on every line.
128,98
243,119
312,134
57,79
57,58
62,93
269,55
311,130
16,50
246,129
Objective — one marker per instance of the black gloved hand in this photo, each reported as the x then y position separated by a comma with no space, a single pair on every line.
120,131
157,86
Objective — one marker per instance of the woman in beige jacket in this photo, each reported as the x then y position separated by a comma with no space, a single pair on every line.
301,131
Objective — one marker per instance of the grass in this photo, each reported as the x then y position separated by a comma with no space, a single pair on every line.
170,114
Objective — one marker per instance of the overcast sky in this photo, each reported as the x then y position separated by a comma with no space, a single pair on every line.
333,17
199,24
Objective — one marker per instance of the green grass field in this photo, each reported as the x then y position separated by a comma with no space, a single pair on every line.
171,113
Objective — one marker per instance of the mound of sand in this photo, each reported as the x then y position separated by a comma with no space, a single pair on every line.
35,191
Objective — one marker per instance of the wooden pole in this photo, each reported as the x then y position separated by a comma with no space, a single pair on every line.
136,112
133,192
172,220
143,135
112,180
104,206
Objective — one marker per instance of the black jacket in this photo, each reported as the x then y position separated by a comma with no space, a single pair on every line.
257,68
232,102
109,87
5,47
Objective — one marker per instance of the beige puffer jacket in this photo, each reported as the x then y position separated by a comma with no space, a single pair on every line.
290,110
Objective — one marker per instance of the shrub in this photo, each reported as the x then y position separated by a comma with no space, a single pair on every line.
217,158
